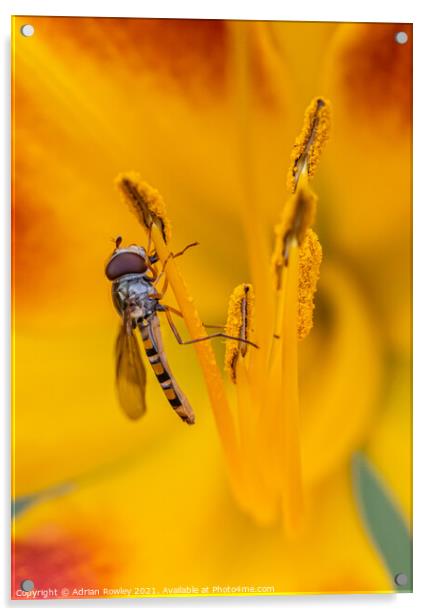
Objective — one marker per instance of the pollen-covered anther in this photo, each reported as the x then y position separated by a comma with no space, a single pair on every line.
308,146
310,258
239,324
298,215
145,201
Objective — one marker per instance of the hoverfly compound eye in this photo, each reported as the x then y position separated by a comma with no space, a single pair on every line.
125,263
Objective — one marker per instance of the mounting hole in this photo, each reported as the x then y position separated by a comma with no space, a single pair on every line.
27,585
401,38
27,30
401,579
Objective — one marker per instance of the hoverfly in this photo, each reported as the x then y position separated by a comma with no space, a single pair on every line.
134,276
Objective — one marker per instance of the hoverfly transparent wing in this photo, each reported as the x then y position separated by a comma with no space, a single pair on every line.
130,373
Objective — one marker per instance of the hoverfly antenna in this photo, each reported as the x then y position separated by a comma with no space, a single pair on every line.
118,241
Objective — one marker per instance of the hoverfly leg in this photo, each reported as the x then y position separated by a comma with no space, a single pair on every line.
163,289
178,254
164,307
173,255
167,311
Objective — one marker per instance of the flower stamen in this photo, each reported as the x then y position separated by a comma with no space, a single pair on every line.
146,202
239,325
295,264
310,258
309,144
298,215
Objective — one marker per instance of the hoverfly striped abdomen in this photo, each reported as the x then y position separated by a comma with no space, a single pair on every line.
159,364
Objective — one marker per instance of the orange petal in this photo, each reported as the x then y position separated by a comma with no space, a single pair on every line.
367,191
368,78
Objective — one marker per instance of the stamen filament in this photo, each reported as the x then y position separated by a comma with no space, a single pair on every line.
279,420
240,323
298,215
261,502
292,485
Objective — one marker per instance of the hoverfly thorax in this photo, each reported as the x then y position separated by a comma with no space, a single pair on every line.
129,271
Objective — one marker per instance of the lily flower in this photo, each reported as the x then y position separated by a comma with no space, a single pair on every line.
259,493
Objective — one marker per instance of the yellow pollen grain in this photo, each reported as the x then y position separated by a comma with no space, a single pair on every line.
309,144
310,258
145,201
239,324
297,216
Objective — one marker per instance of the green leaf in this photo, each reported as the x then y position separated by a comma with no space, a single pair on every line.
384,523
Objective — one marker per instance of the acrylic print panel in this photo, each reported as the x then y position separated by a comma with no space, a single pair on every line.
275,461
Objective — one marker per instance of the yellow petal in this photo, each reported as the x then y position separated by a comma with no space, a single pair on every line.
339,385
332,555
66,406
110,533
